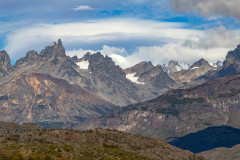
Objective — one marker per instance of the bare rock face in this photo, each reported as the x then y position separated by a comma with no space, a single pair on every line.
182,111
48,101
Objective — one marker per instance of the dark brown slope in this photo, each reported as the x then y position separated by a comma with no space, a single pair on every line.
48,101
93,144
179,112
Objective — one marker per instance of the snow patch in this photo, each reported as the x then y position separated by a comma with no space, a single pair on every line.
213,64
194,68
52,44
184,65
179,68
131,77
83,64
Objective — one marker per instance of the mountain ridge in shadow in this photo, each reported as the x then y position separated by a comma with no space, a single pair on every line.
208,139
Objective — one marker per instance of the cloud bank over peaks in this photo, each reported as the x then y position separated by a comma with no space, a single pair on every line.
212,45
168,41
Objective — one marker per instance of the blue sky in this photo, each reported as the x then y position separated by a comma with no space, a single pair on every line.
129,31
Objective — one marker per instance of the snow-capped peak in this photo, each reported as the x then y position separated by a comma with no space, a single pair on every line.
217,64
175,66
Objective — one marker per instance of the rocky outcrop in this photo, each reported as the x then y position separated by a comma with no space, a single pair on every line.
48,101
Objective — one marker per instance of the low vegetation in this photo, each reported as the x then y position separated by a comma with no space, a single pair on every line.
100,144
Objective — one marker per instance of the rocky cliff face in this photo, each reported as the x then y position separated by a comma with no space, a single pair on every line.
179,112
48,101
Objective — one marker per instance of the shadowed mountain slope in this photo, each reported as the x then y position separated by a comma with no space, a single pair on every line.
208,139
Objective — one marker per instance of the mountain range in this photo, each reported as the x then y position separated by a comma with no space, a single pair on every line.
169,101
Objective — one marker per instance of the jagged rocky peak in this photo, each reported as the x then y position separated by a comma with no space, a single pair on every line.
30,57
5,62
201,63
88,61
235,54
139,68
54,50
175,66
86,56
231,64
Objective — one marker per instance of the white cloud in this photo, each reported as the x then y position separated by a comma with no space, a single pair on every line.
176,42
83,8
208,8
92,32
117,54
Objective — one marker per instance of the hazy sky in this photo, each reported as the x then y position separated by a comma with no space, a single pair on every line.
129,31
